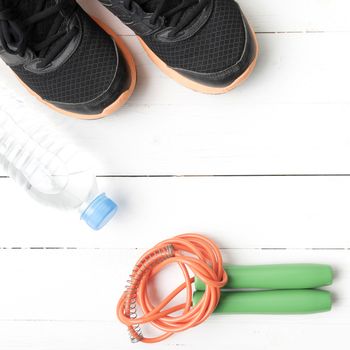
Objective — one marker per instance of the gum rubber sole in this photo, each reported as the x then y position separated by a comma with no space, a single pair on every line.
197,86
119,102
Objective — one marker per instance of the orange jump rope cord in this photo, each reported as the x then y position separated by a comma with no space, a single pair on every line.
192,252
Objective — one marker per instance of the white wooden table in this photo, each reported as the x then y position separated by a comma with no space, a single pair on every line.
264,170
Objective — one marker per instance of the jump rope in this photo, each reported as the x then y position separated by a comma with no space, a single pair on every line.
276,289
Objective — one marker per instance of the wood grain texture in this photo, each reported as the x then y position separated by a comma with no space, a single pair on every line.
238,212
71,295
60,281
256,334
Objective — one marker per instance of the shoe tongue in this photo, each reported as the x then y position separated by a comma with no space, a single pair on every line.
27,8
5,4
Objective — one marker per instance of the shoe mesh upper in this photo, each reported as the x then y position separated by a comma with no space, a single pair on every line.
85,75
215,47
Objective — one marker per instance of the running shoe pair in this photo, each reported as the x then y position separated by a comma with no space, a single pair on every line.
70,63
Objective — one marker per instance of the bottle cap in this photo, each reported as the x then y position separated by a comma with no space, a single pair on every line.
99,212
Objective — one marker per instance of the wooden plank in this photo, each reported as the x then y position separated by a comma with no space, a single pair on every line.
286,16
290,117
270,15
211,140
48,294
244,212
256,335
84,285
285,119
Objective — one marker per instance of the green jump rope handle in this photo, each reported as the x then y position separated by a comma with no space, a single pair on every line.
292,276
302,301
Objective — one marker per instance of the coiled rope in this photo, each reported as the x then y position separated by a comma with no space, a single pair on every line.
193,253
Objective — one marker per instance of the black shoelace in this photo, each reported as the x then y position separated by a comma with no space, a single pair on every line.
16,35
177,17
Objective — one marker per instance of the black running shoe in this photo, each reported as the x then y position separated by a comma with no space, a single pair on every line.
64,58
207,45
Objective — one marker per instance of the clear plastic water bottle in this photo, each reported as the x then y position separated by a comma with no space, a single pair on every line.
52,170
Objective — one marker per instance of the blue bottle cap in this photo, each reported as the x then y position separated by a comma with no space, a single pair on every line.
99,212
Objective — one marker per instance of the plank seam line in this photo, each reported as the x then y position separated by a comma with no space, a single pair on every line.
278,32
224,175
214,175
141,248
53,320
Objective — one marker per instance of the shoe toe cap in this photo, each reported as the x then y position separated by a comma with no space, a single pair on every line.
119,83
227,76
